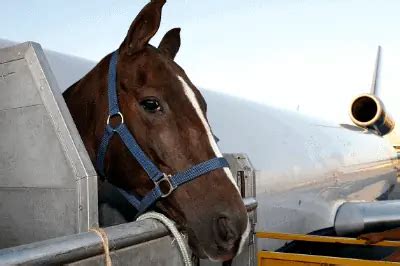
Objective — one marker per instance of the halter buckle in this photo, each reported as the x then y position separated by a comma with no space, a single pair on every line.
165,178
114,115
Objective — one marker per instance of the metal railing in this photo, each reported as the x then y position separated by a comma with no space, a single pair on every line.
85,245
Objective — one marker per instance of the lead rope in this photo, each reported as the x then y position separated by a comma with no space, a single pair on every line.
103,235
172,228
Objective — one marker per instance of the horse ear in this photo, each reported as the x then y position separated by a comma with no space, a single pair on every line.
170,43
144,27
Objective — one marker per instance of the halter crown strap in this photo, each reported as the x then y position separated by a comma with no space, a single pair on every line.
158,177
129,141
113,107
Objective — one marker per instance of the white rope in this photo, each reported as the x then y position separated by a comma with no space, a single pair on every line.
171,227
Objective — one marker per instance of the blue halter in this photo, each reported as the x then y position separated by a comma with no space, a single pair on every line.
158,177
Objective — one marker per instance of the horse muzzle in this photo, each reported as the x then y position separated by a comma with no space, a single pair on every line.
221,239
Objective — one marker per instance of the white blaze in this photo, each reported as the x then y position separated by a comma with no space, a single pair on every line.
193,100
245,235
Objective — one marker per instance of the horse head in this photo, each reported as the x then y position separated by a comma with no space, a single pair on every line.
166,114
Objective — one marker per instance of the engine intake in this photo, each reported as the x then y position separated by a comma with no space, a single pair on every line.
368,111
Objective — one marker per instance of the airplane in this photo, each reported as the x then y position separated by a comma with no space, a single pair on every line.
312,176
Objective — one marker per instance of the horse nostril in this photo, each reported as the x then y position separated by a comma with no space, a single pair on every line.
227,233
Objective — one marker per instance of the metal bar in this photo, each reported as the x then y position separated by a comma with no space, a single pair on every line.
85,245
274,258
323,239
80,246
250,203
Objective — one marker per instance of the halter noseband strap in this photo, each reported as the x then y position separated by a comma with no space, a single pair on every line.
158,177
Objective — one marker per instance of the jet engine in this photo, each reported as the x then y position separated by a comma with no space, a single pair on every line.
367,111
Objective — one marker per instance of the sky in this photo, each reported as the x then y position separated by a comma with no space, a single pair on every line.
310,56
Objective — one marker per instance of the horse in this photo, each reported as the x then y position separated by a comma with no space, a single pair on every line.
140,89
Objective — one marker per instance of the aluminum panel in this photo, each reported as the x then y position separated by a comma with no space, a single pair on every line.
54,102
87,203
158,252
244,173
48,185
34,214
17,85
30,153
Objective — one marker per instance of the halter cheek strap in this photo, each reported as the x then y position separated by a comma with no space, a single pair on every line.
159,178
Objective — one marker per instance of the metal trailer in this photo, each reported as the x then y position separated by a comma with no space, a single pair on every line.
48,185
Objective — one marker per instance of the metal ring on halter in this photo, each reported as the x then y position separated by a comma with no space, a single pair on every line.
171,187
117,114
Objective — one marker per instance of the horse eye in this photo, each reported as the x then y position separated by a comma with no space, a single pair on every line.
151,105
